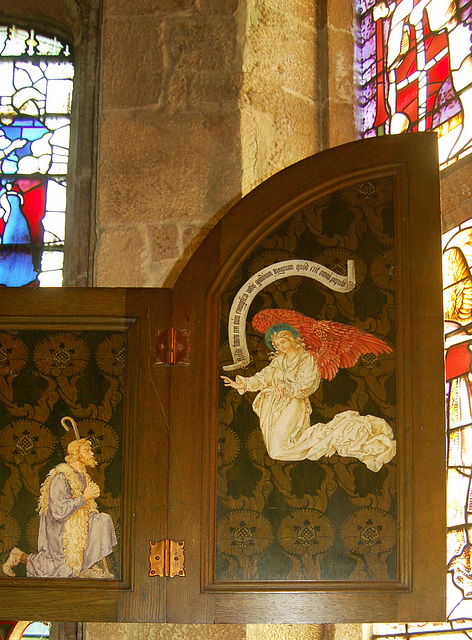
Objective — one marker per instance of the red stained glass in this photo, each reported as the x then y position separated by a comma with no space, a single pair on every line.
457,361
381,111
407,68
407,101
414,41
436,44
34,205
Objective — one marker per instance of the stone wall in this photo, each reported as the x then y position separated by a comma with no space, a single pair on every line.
280,75
200,101
105,631
102,631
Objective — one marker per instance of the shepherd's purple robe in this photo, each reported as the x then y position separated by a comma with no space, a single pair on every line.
50,561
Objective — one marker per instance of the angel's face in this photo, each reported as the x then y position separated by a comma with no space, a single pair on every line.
284,345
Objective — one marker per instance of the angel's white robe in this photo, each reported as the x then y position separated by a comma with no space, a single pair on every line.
285,420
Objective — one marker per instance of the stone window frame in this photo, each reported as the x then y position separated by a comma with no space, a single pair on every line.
78,23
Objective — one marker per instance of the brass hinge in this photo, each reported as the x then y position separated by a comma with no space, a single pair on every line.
172,346
166,558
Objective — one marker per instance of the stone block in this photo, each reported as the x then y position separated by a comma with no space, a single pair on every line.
192,237
165,242
133,62
156,631
146,7
105,630
273,140
299,11
159,274
177,94
166,272
159,168
345,632
121,254
219,7
341,60
456,193
341,123
203,44
340,14
210,89
284,632
280,52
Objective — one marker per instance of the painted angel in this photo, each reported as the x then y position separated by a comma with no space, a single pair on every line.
304,352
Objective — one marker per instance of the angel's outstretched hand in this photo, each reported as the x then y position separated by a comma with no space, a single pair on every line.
232,383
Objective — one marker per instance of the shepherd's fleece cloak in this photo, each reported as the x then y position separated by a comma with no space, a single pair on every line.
73,535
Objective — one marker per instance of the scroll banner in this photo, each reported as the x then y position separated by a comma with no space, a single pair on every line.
266,276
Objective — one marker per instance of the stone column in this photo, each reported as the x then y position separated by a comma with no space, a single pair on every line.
200,101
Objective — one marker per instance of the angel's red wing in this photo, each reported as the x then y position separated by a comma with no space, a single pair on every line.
342,345
334,345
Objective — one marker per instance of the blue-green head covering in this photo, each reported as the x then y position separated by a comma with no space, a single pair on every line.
275,328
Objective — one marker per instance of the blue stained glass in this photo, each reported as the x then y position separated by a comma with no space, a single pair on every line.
35,101
16,264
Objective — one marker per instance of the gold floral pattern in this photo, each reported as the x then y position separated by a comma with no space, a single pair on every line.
306,532
13,354
229,446
257,450
111,355
369,531
26,442
10,533
382,270
370,537
371,366
64,354
244,533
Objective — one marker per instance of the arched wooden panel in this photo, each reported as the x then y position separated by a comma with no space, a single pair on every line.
331,539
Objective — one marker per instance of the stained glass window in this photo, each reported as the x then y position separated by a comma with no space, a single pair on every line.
457,274
414,67
36,631
36,81
27,630
460,630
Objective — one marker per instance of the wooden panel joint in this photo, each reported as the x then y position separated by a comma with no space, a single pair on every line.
171,346
166,558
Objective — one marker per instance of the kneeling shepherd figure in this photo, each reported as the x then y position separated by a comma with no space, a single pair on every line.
73,536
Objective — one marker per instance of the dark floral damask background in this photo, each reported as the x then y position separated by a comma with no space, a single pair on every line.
45,376
330,519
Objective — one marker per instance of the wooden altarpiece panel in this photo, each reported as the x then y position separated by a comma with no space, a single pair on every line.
351,236
87,354
338,537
